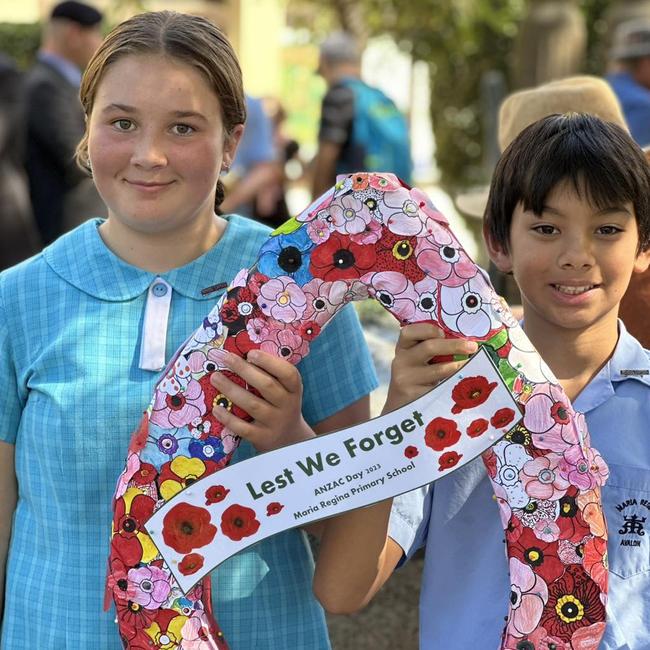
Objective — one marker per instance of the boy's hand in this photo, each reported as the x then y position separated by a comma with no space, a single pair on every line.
277,416
412,373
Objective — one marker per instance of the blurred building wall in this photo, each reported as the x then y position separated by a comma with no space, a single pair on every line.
255,28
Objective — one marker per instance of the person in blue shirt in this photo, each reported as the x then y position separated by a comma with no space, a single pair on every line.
87,325
630,79
569,215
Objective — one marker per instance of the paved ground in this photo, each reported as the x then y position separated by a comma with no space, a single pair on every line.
390,622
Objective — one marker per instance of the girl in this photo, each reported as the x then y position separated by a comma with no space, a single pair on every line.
86,326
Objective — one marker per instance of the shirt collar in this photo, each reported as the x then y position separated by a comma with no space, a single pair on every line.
66,68
628,362
82,258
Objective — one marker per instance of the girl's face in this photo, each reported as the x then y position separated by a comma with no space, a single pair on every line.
156,144
573,262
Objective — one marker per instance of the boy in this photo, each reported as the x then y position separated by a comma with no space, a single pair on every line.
569,216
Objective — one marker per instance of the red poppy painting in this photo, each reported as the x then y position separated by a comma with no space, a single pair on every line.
238,522
471,392
449,459
186,527
191,564
477,427
441,433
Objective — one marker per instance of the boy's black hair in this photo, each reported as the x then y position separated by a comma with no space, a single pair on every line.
597,157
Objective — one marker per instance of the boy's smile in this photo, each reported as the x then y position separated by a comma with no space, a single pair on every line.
573,262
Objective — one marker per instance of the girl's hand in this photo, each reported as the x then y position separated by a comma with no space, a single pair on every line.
277,415
412,373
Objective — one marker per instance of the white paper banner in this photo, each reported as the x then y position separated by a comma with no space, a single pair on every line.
244,503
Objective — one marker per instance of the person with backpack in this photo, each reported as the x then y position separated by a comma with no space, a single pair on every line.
361,129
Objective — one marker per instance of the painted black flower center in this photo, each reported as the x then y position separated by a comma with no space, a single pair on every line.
129,525
285,351
123,583
290,259
427,303
568,507
531,507
526,645
402,250
343,259
187,528
385,298
534,556
448,252
513,597
471,301
238,521
519,437
223,401
176,401
570,610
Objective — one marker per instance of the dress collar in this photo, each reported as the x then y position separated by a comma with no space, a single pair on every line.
81,258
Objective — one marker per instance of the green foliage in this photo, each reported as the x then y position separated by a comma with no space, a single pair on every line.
461,40
595,11
20,41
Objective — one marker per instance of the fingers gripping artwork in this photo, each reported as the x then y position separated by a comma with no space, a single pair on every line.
369,236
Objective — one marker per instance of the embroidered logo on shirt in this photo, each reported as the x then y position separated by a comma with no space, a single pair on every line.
633,524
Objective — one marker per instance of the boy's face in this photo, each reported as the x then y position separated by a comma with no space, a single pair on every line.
574,261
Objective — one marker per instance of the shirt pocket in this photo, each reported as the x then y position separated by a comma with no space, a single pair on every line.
626,501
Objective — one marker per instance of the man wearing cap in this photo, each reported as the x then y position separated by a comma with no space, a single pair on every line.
631,78
360,128
62,195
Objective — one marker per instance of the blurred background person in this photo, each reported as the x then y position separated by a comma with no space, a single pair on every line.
271,202
62,195
630,79
360,129
254,167
18,234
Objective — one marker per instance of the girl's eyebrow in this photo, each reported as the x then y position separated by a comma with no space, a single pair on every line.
125,108
182,114
119,107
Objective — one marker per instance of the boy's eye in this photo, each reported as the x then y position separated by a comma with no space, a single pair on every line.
123,125
609,230
182,129
545,229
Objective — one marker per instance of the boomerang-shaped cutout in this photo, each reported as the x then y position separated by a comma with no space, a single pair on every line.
369,236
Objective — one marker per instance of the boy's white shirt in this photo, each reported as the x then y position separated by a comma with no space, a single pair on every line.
465,585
